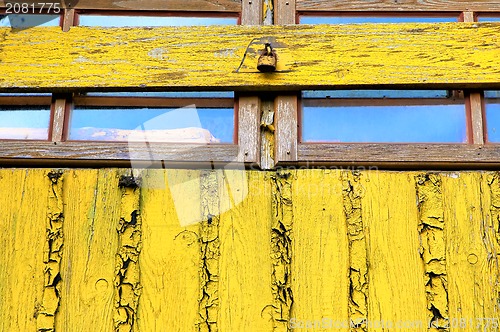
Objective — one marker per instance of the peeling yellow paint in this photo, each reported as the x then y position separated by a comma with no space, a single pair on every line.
445,54
358,269
433,248
47,309
127,273
281,249
210,252
349,244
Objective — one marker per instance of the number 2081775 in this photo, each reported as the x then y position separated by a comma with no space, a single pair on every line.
32,8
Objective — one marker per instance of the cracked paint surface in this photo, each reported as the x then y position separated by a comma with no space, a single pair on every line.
358,269
127,273
210,252
47,309
433,248
281,249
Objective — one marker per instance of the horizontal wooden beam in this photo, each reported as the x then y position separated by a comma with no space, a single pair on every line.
445,55
398,154
146,5
118,152
398,5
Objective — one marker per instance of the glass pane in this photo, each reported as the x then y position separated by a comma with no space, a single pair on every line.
373,19
27,123
22,21
488,18
384,121
152,21
376,94
187,124
180,94
492,116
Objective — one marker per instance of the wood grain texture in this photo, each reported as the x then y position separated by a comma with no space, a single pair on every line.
320,262
251,12
285,12
156,5
476,114
267,134
396,288
286,136
58,120
149,155
398,154
245,266
249,129
170,255
24,196
401,5
471,274
91,217
309,57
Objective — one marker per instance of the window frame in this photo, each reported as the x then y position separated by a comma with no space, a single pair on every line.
253,137
245,148
290,151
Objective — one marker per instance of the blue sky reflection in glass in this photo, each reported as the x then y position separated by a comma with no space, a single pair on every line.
28,122
29,20
348,19
401,117
492,116
181,125
152,21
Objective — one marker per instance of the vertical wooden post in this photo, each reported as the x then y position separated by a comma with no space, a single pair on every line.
58,120
475,103
286,134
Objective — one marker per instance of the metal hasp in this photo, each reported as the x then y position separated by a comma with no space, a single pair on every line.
267,60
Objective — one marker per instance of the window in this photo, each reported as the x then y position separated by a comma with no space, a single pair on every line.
357,18
126,20
383,117
492,115
155,117
25,116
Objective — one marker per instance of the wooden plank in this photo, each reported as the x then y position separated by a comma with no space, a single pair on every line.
286,136
92,211
150,5
58,120
251,12
396,289
285,12
320,261
248,129
24,200
267,134
170,256
444,55
476,117
398,154
245,266
469,252
68,19
119,151
402,5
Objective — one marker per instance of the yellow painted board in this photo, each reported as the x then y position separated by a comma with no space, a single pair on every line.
170,257
396,275
91,210
23,197
471,274
320,260
244,263
455,55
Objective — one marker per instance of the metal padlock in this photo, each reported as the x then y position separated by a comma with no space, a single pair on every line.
267,60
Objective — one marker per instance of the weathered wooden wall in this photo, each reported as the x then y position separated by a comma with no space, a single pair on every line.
411,55
214,250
